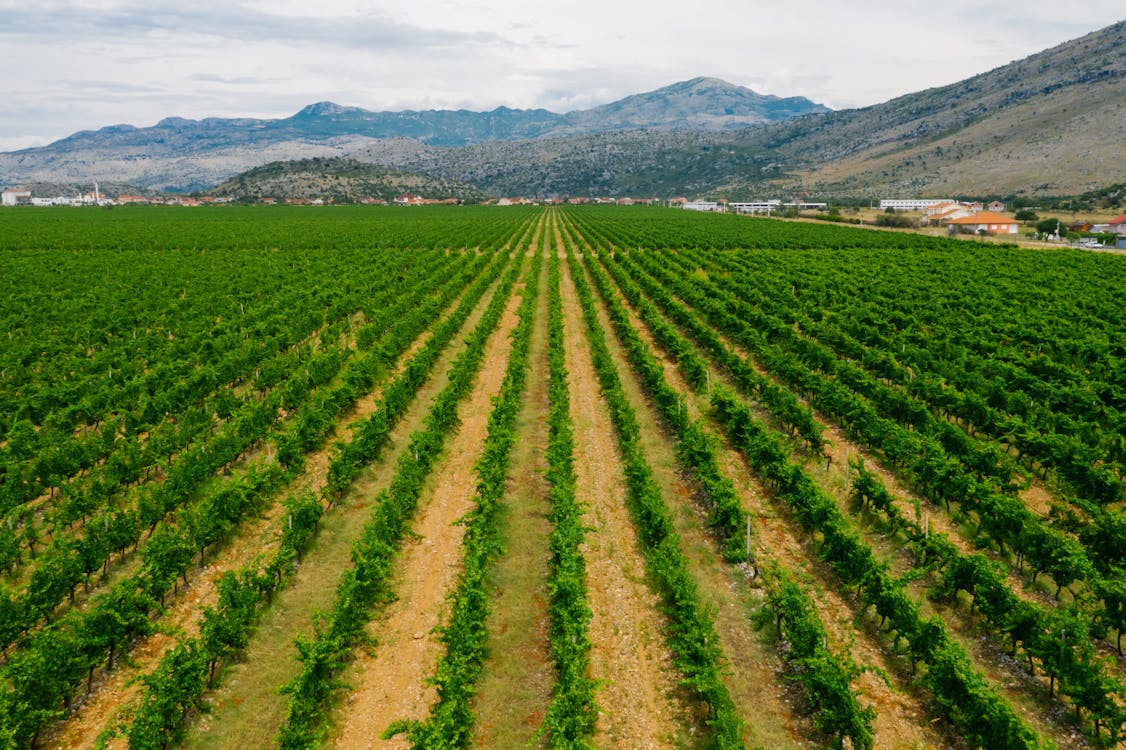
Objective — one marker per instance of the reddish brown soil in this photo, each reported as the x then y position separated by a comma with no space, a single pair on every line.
388,682
637,701
120,688
515,686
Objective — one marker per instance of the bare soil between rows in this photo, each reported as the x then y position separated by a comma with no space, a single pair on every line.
388,681
638,702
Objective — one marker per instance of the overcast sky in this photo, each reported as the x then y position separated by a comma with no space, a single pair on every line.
69,66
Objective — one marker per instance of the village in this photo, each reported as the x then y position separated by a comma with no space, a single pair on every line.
922,214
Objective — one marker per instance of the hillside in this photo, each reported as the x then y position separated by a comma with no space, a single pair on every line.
1052,123
339,180
182,154
625,162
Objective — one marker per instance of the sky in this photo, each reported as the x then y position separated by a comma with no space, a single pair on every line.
70,66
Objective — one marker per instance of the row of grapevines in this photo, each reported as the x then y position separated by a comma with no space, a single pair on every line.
1063,427
984,718
70,560
367,581
922,457
119,616
824,677
401,324
1088,684
450,722
572,712
640,226
175,687
296,377
44,674
1037,357
968,477
693,639
780,401
1040,634
126,231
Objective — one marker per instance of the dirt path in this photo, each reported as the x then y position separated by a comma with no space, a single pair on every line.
389,682
753,668
247,709
901,716
638,702
515,686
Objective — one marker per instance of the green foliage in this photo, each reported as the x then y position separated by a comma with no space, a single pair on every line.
825,677
191,510
1052,226
893,219
572,712
450,722
362,585
693,640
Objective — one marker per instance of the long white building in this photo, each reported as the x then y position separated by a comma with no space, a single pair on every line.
911,204
767,207
702,206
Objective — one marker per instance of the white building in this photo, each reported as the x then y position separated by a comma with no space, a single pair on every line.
756,207
911,204
702,206
15,197
1117,225
768,207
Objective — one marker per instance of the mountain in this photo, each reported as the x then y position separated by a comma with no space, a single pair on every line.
184,154
339,179
620,162
699,104
1050,124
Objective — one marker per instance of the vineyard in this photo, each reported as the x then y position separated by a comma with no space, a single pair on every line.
582,477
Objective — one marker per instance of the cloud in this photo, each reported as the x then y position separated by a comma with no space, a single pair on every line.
228,21
18,142
233,80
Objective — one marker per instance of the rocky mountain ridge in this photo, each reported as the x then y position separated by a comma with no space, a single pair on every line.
1050,124
184,154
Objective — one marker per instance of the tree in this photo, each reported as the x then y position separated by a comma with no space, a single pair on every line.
1051,226
1026,214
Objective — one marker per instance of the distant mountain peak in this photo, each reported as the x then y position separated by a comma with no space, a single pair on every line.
326,109
704,82
176,122
702,103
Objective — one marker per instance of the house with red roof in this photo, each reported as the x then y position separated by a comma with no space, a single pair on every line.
983,221
1118,224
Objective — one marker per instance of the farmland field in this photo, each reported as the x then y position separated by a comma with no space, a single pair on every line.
554,477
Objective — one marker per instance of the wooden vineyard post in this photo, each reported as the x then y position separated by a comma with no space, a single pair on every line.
748,539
